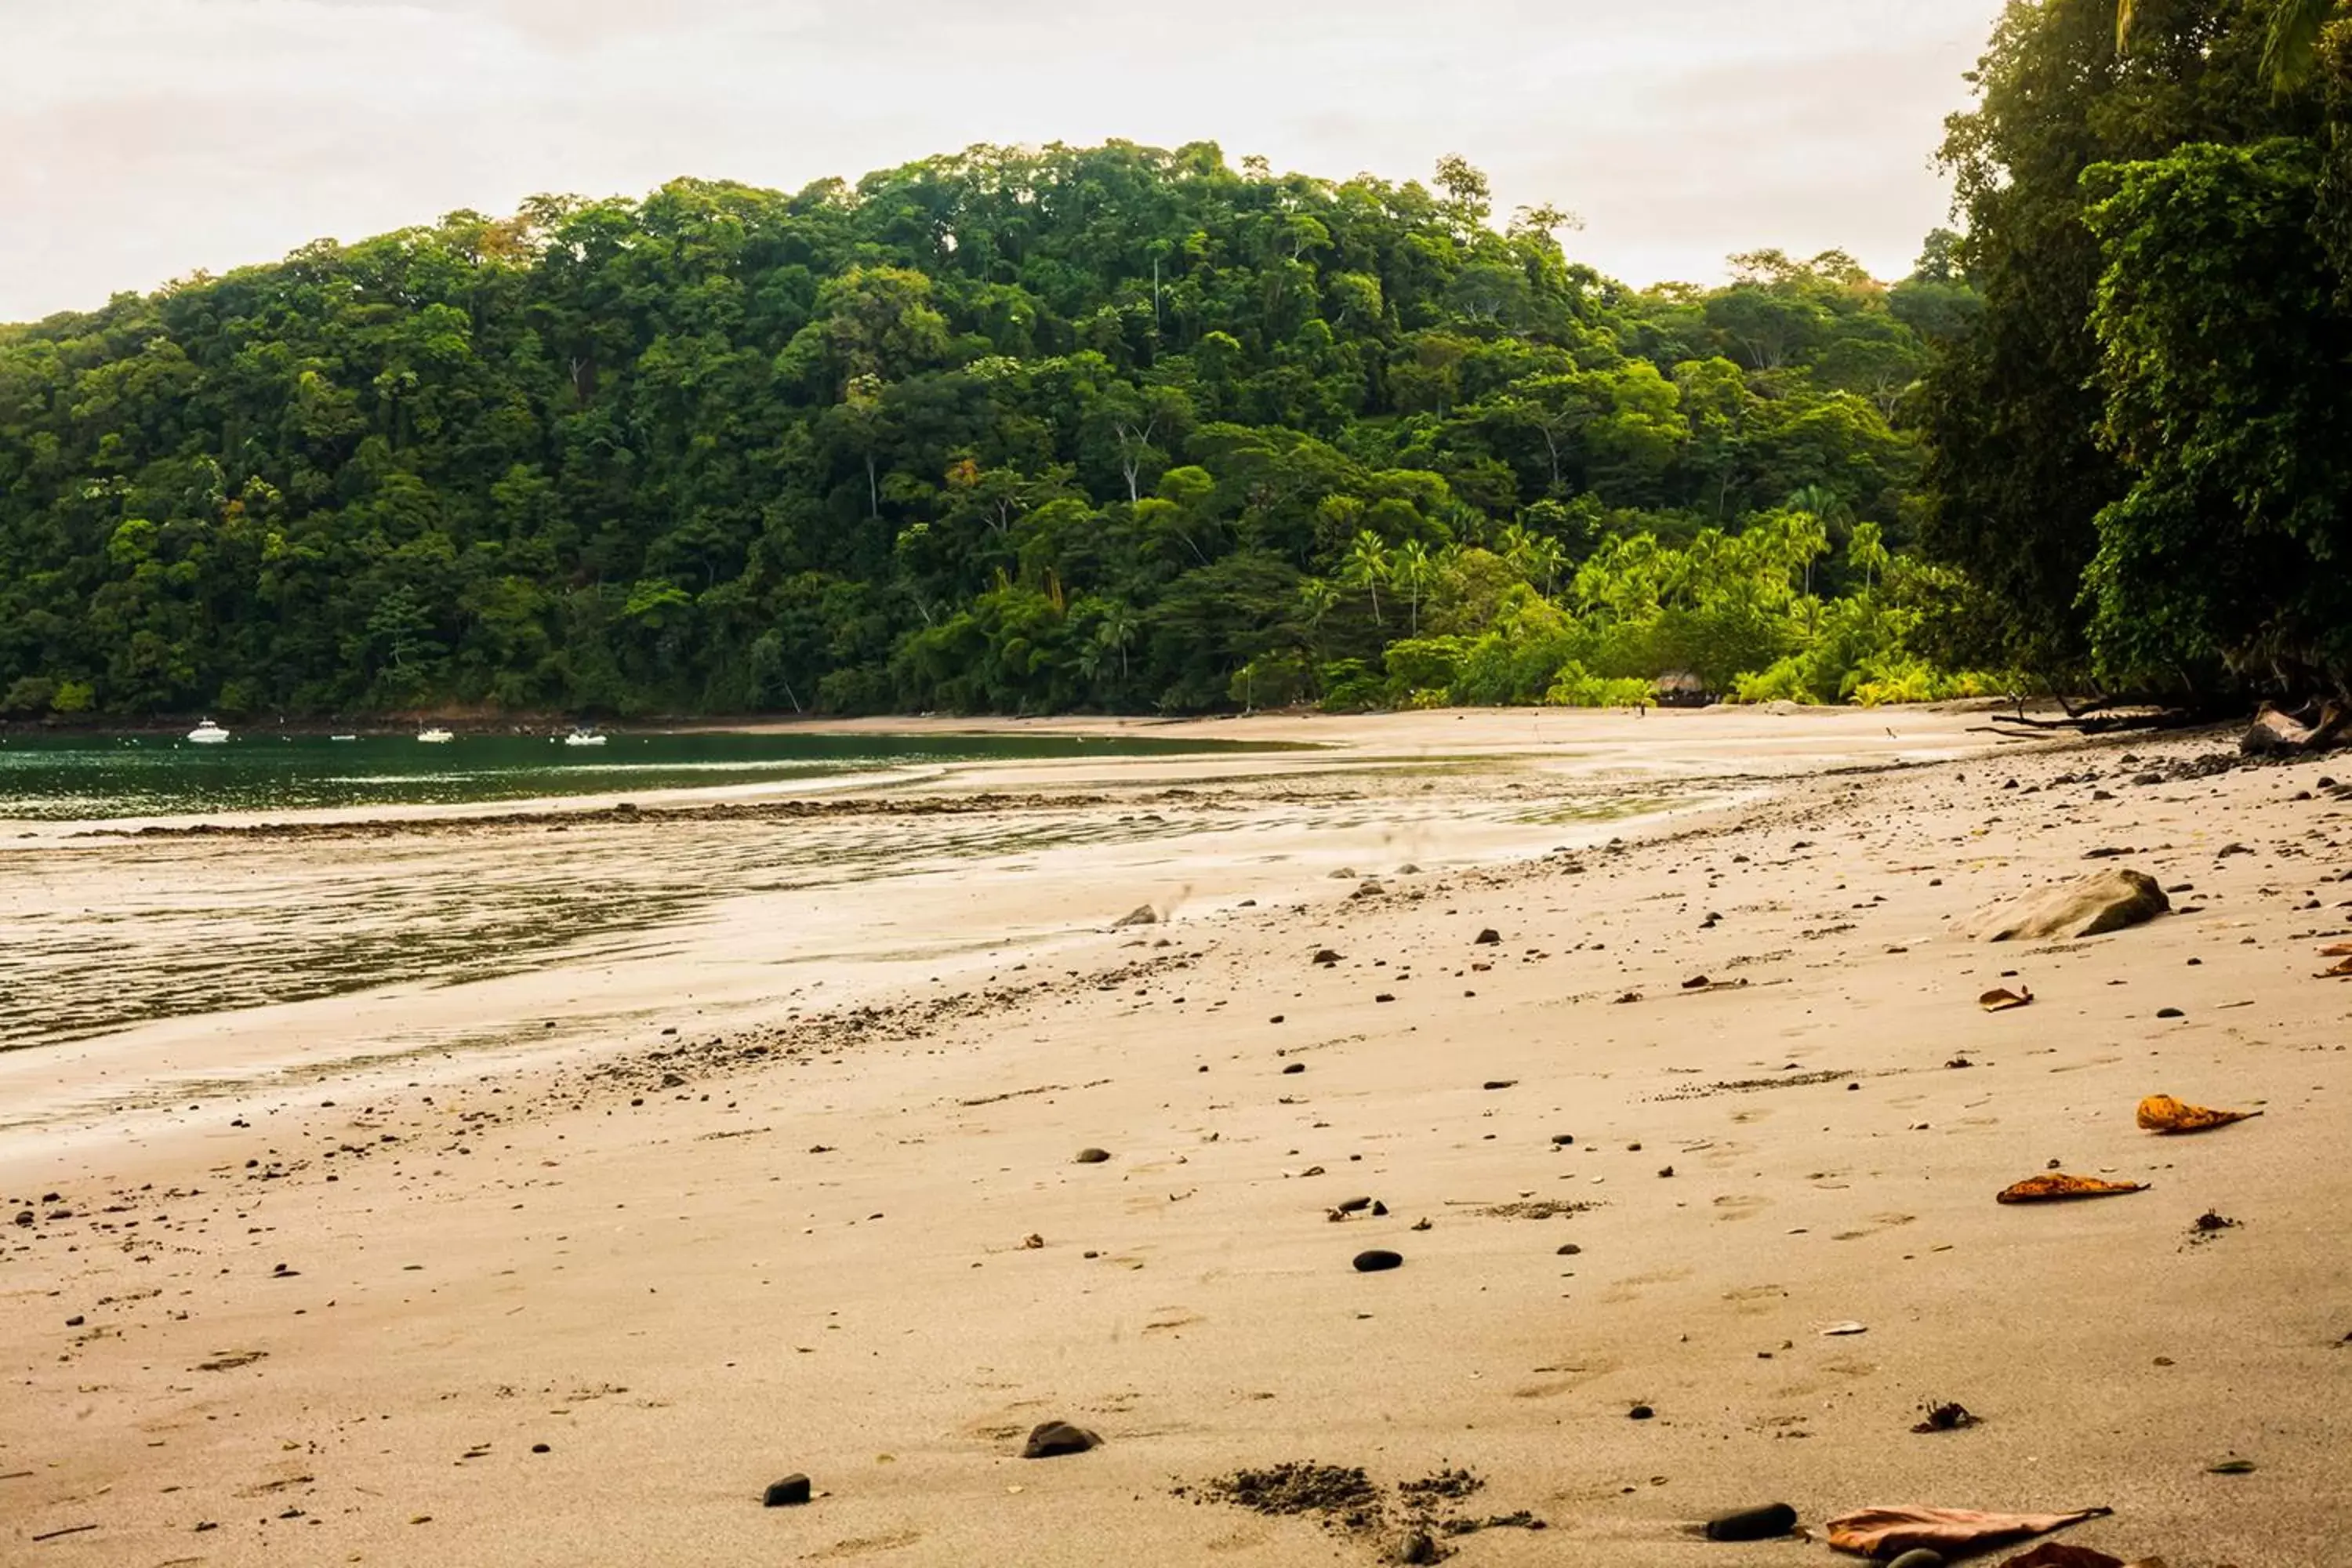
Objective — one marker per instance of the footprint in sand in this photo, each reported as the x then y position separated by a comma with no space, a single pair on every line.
865,1546
1630,1287
1755,1300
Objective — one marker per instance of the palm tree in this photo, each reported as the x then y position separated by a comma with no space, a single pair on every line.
1867,549
1317,598
1410,568
1366,566
2294,45
1117,633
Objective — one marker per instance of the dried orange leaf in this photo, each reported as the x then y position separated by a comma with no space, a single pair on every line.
2162,1113
2056,1186
2336,950
2335,971
2002,1000
2058,1554
1885,1532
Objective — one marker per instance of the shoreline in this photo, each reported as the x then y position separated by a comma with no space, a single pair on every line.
722,1235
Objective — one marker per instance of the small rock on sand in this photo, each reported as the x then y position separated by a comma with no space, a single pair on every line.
1141,915
1052,1439
1091,1156
2087,906
1753,1523
790,1492
1379,1260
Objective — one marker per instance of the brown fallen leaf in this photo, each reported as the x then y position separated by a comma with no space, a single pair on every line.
2336,950
2056,1186
1886,1532
2003,999
2162,1113
2335,971
2058,1554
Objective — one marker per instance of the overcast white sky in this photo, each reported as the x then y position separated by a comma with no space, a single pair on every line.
143,139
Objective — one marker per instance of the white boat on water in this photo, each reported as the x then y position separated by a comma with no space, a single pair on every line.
342,737
436,736
584,736
208,734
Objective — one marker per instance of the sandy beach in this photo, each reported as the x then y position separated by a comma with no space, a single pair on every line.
535,1186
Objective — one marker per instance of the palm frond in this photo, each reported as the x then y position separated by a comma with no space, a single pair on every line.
2294,45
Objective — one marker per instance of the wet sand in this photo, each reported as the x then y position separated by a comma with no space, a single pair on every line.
708,1145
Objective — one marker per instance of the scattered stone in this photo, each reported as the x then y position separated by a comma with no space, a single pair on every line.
1052,1439
1141,915
1353,1205
1414,1546
2170,1013
1641,1412
1568,1249
1490,937
1091,1156
1379,1210
74,1322
1949,1415
1296,1066
2094,905
1493,1083
1379,1260
790,1492
541,1449
1764,1523
1665,1169
1325,956
1344,874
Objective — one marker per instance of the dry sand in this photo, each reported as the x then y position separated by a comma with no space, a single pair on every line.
361,1160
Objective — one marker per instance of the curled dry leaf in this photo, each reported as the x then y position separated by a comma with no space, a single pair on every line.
2162,1113
1886,1532
2058,1554
2337,971
2002,999
2056,1186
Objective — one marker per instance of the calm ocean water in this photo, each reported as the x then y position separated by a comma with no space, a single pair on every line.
93,776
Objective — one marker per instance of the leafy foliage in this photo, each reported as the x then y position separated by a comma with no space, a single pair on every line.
1020,431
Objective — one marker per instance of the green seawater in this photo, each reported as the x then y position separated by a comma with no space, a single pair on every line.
91,777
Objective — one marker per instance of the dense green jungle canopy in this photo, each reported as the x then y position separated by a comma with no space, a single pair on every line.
1125,428
1006,430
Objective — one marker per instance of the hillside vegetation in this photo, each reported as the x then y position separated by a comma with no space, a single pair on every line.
1015,431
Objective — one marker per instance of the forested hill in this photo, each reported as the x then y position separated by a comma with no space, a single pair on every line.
1010,430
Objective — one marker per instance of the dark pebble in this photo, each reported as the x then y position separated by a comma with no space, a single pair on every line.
1417,1547
1490,937
1092,1156
2170,1013
75,1322
1296,1066
1562,1140
1640,1412
1353,1205
1569,1249
1053,1438
1379,1210
1753,1523
790,1492
541,1449
1500,1083
1377,1261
